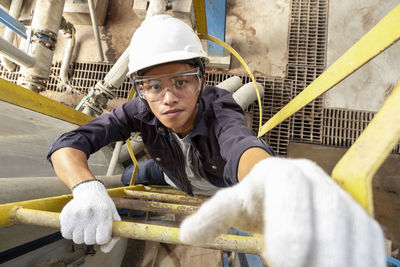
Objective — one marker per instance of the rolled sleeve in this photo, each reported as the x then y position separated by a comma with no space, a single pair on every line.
232,164
234,136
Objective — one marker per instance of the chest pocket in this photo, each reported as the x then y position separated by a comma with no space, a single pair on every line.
162,159
215,165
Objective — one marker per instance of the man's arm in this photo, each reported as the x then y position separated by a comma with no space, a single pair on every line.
248,159
89,216
71,166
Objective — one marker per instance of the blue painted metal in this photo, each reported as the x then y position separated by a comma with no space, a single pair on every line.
246,260
13,24
392,261
216,25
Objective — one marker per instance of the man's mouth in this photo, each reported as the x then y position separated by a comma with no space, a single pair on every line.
171,111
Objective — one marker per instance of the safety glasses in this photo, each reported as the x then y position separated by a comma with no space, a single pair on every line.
182,85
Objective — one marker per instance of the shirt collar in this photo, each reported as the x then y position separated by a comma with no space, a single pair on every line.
200,127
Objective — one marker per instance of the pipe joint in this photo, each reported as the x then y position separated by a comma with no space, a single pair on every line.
33,83
67,29
45,38
100,95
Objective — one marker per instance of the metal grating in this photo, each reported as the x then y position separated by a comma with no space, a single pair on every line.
306,61
308,32
83,76
342,127
8,75
306,124
277,93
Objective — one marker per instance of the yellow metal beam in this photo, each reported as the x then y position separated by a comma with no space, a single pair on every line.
200,14
250,245
50,203
355,170
380,37
20,96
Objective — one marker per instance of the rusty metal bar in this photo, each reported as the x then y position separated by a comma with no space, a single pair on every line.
178,199
168,190
144,205
163,234
51,203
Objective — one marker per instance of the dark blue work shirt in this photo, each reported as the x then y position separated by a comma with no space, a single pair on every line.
219,137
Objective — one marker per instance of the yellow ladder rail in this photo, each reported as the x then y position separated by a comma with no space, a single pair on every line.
355,170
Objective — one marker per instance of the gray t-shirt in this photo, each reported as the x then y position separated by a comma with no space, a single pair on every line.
199,184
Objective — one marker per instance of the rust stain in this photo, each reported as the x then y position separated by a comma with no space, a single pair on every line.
388,89
367,21
110,52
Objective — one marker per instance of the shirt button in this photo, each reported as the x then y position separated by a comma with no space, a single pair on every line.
214,167
158,159
161,129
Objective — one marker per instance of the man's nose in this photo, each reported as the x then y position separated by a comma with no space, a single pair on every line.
169,96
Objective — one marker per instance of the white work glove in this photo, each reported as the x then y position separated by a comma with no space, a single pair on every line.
306,219
89,216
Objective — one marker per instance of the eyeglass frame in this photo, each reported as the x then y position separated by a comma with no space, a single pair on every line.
135,80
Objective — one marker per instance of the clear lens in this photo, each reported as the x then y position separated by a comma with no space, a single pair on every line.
183,85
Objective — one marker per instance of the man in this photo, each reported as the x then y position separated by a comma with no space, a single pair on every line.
196,134
197,138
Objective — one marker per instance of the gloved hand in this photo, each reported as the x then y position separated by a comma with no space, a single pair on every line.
88,217
306,219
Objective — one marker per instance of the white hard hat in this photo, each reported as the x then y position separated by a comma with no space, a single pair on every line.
162,39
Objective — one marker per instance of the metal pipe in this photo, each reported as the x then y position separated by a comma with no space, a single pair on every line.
156,7
41,187
133,204
137,147
246,94
231,84
95,29
15,54
164,197
103,90
69,32
15,10
117,74
163,234
45,25
114,158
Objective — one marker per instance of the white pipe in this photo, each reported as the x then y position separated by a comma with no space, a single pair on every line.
67,59
156,7
124,155
26,188
246,94
231,84
15,54
15,10
46,18
114,158
117,74
95,29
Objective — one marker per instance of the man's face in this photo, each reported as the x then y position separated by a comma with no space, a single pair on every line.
174,110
